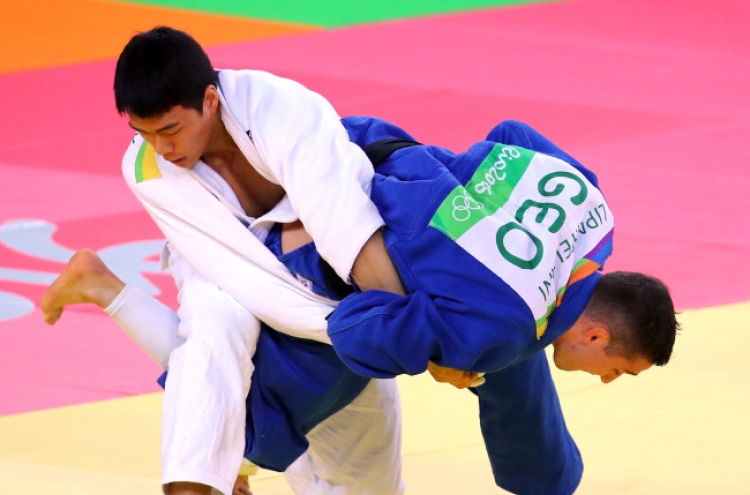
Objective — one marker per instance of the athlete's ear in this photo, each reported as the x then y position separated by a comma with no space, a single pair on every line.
210,98
597,335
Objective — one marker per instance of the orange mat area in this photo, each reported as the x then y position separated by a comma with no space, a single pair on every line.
90,30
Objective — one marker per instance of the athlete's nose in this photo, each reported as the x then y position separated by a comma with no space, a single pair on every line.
163,146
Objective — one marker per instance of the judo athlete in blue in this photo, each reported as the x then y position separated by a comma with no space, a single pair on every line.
500,250
459,311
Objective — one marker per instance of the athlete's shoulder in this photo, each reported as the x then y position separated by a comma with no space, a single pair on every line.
257,81
139,163
258,99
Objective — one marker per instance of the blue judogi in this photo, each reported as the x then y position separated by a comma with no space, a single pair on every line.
457,312
460,314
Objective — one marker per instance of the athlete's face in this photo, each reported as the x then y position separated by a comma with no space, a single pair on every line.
182,134
584,348
597,362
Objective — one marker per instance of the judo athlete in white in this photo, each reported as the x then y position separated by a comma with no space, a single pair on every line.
281,152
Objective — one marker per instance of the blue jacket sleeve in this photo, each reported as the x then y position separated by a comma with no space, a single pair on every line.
381,335
527,441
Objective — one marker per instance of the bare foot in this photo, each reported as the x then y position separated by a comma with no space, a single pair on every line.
85,279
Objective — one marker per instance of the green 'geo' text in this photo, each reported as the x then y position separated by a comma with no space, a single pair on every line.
575,191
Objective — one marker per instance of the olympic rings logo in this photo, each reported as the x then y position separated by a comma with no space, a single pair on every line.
462,206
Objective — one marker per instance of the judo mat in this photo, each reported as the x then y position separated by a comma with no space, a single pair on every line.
651,95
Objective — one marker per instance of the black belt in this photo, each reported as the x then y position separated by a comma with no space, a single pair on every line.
379,151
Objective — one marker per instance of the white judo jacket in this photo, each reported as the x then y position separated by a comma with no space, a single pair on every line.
294,138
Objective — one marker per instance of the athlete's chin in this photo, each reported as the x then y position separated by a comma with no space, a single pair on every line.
562,364
563,367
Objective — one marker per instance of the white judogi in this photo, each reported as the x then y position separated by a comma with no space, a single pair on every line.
299,143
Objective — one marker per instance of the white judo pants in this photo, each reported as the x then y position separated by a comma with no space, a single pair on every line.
356,451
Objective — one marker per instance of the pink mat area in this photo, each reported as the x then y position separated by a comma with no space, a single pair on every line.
63,119
651,95
85,357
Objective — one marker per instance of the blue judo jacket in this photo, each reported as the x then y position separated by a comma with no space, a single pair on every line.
459,314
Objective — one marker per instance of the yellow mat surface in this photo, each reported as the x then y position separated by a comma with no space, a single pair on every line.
680,430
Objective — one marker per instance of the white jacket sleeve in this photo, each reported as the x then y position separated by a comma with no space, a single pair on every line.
305,149
220,248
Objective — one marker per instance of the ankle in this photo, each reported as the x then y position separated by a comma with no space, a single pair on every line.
103,294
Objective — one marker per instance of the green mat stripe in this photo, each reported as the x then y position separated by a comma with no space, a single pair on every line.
330,13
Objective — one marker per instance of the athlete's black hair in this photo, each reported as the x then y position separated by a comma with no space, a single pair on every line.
160,69
639,314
